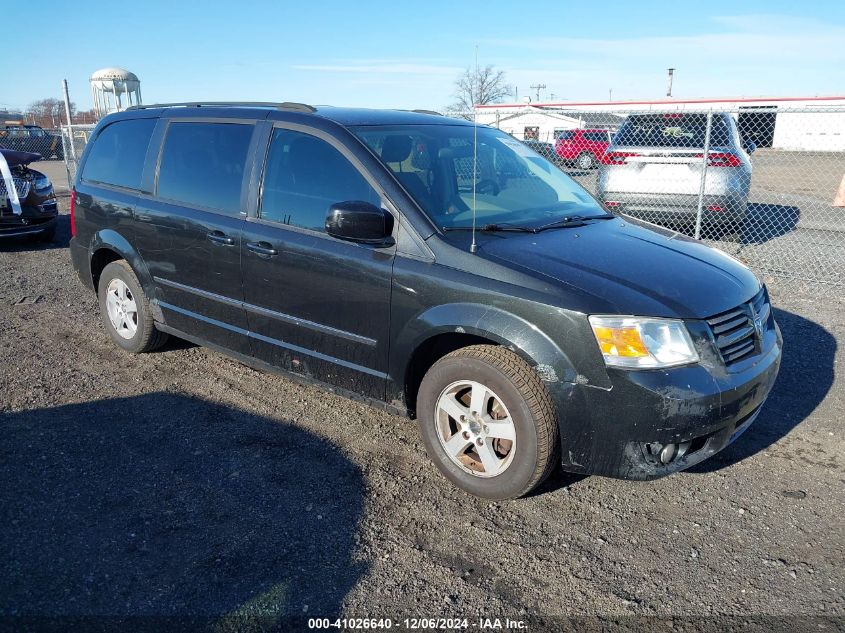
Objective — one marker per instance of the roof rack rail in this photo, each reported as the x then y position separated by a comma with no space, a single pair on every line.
287,105
427,112
296,107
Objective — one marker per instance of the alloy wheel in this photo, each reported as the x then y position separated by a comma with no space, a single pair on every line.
122,309
475,428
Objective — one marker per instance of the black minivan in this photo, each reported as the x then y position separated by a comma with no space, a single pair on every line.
441,269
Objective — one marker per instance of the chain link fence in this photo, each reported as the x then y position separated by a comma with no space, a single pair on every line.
74,140
31,138
766,185
61,144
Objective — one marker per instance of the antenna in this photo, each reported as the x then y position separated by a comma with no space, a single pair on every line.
474,247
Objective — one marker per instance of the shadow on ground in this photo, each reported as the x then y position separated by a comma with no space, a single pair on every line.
764,222
805,378
164,504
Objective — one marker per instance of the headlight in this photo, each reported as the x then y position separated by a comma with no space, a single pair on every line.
42,183
643,343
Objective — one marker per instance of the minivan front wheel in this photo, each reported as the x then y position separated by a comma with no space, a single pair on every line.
126,311
488,422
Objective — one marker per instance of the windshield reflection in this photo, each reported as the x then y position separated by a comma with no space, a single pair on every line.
513,184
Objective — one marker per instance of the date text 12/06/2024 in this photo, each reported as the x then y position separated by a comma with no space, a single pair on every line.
418,624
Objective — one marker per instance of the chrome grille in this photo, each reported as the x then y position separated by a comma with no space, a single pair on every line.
21,186
738,332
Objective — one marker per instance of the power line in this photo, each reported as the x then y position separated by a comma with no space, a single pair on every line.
538,87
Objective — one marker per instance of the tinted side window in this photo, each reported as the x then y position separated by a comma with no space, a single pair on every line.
202,164
117,157
304,176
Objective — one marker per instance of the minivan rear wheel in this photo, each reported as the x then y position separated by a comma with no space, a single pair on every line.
126,311
488,422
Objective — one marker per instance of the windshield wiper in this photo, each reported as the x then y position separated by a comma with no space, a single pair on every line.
572,220
493,228
515,228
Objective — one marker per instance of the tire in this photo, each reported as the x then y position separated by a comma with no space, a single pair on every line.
517,396
144,337
585,161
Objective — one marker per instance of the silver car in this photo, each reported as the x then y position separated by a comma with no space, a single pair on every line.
655,167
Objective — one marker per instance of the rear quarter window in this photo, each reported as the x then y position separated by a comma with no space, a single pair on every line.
202,164
117,156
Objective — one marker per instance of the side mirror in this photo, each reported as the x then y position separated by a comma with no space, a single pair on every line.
359,221
749,146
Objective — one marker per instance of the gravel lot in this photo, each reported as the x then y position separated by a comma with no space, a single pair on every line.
184,483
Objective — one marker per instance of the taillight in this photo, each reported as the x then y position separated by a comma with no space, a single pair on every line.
721,159
73,212
617,158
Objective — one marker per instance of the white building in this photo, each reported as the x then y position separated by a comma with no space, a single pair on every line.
788,123
113,90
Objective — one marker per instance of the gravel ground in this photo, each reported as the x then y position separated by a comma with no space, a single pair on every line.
184,483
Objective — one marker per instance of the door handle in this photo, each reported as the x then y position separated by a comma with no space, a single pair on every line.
262,248
219,237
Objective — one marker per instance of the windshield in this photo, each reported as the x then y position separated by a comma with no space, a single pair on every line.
513,184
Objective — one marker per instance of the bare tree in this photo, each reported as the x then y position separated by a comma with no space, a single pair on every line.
478,87
49,113
84,116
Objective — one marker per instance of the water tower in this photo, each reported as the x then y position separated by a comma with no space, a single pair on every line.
113,90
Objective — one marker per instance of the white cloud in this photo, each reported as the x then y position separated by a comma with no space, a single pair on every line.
762,38
735,55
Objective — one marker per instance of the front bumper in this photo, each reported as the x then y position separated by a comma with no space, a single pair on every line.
610,431
34,220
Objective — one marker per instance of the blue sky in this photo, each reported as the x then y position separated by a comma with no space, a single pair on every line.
407,54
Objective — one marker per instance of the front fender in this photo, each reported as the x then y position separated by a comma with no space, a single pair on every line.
504,328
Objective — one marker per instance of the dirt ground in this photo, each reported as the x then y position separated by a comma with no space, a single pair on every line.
182,483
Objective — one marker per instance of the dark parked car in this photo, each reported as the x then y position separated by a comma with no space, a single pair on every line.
338,245
31,138
37,212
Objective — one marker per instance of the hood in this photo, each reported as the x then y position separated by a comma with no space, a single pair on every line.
629,267
14,157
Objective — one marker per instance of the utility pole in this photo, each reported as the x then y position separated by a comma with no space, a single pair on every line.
610,94
538,88
669,87
69,121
